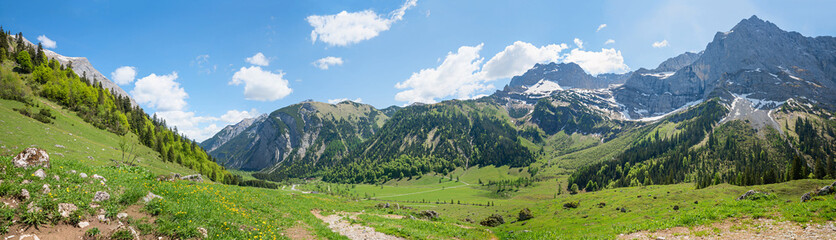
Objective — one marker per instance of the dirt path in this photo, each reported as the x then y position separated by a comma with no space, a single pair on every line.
743,229
338,224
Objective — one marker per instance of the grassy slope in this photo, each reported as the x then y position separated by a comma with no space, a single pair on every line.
78,138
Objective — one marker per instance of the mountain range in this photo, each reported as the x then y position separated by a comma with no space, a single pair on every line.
743,75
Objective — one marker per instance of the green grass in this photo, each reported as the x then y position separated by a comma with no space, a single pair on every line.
551,220
78,138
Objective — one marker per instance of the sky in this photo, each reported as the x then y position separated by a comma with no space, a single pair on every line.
204,66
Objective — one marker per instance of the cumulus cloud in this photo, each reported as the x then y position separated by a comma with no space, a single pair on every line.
663,43
609,41
456,76
261,85
46,42
516,58
189,124
324,63
602,26
578,43
123,75
160,92
462,75
339,100
258,59
605,61
235,116
346,28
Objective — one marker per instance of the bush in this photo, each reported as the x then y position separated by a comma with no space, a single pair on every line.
13,88
33,219
93,232
123,234
574,204
493,221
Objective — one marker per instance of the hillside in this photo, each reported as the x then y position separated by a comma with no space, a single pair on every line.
298,140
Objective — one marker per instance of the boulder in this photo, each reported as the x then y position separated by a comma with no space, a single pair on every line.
83,224
45,189
150,197
82,175
66,209
806,197
31,157
203,232
97,176
33,208
24,194
428,214
493,221
525,214
193,178
40,174
824,191
121,215
101,196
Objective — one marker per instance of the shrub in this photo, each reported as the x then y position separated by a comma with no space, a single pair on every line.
123,234
574,204
493,221
93,232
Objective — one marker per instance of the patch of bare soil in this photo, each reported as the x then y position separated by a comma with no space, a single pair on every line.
743,229
338,224
299,232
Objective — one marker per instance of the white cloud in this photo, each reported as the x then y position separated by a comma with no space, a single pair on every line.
46,42
346,28
202,63
578,43
602,26
258,59
605,61
517,58
123,75
160,92
189,124
324,63
663,43
456,76
235,116
609,41
339,100
261,85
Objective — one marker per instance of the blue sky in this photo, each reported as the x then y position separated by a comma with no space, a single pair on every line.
198,65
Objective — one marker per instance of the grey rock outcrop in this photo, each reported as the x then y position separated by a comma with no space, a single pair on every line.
66,209
31,157
101,196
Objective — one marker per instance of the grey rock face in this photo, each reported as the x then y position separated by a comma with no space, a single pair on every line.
755,57
229,132
293,135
